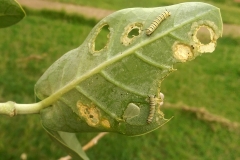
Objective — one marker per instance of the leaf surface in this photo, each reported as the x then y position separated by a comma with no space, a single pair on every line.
10,13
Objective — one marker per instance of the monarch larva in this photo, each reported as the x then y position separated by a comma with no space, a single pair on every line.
152,106
156,22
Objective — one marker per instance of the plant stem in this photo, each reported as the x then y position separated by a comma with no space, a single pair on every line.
11,108
94,141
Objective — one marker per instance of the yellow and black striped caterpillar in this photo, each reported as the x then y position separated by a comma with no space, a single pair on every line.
156,22
152,105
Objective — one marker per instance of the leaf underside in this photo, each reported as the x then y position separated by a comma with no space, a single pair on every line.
108,90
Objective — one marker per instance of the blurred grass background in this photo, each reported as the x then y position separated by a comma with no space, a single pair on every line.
211,81
228,7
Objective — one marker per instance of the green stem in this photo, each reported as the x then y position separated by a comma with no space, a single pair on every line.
11,108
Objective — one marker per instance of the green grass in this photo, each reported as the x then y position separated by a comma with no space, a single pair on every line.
210,81
62,15
229,9
182,138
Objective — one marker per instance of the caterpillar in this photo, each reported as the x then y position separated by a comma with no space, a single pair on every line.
152,106
156,22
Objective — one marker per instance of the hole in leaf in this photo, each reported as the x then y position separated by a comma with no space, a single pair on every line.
133,32
102,38
203,35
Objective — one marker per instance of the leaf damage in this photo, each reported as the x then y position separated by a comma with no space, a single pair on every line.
92,115
184,52
213,33
94,43
128,35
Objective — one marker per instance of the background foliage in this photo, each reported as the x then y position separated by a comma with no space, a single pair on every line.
211,81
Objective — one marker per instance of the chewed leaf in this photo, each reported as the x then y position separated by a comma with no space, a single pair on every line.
131,111
108,88
10,13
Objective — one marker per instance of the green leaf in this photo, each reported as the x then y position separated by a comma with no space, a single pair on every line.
10,13
109,89
69,142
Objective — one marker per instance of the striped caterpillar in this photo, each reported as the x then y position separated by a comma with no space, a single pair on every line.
153,101
152,106
156,22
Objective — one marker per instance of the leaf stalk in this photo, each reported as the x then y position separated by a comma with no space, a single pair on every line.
12,109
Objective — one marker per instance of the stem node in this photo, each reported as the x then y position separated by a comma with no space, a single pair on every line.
8,108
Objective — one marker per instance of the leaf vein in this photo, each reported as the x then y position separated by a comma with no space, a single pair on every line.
118,84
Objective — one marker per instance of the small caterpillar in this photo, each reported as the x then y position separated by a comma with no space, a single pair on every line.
156,22
152,106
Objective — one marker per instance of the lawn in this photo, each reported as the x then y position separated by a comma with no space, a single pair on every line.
228,8
211,81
